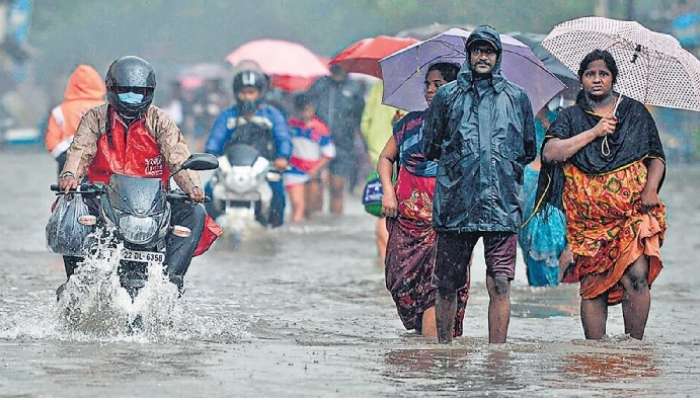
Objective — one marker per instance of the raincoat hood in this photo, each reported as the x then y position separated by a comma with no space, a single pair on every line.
84,84
483,33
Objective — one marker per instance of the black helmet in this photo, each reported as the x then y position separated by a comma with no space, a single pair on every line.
249,78
134,75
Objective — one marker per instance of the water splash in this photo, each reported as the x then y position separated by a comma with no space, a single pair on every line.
94,302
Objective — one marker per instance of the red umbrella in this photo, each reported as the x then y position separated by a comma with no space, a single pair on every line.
279,57
363,56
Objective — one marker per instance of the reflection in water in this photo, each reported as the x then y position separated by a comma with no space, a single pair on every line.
477,371
403,363
610,367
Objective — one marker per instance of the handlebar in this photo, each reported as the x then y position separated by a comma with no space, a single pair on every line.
84,188
90,189
179,195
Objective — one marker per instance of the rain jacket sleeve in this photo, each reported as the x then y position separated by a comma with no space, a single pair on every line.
316,88
219,135
84,146
280,131
435,126
529,137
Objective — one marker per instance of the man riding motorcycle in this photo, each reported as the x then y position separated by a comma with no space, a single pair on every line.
129,136
253,122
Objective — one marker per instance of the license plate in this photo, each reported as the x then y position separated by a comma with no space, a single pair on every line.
142,256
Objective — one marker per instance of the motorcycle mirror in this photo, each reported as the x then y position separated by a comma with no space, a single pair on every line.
201,162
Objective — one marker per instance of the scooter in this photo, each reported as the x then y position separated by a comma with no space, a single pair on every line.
241,193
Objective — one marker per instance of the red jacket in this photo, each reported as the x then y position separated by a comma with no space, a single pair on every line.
134,151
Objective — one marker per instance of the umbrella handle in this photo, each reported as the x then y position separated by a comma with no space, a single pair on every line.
605,147
617,103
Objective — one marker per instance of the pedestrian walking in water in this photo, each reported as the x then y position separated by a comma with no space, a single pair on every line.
603,165
542,240
408,206
377,124
480,130
312,148
339,103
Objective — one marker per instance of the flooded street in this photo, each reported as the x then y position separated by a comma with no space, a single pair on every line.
303,311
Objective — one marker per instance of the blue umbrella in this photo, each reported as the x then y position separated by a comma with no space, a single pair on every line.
404,71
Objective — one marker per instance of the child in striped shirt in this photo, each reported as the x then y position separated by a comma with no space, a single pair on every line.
313,148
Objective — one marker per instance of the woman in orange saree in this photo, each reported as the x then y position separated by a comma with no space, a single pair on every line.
604,165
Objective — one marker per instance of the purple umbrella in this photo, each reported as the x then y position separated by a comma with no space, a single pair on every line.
404,71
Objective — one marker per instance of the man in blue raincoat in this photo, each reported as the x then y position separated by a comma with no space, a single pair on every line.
480,129
253,122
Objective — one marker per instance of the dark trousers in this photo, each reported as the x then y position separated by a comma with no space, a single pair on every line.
454,252
179,250
277,204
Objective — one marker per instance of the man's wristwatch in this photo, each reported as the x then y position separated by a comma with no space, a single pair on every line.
66,174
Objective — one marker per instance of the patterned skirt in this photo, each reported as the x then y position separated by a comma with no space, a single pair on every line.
607,229
410,255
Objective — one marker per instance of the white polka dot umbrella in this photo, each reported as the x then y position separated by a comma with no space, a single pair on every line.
654,68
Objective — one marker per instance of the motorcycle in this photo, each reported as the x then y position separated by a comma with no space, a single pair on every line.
133,222
241,192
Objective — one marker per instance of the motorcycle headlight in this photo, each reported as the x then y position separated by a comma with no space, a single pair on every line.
240,181
138,230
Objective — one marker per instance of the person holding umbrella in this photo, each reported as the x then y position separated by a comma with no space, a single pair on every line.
481,130
408,206
603,164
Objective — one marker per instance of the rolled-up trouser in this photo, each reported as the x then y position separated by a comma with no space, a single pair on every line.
179,250
454,251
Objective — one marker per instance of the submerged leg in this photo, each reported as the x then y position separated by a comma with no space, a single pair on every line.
428,324
453,252
382,237
637,300
445,310
499,307
337,187
296,197
594,315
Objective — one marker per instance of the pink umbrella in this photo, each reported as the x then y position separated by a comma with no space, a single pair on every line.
279,57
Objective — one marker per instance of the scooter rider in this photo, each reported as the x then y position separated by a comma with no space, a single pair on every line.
253,122
129,136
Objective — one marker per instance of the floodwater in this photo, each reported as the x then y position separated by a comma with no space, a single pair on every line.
303,311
